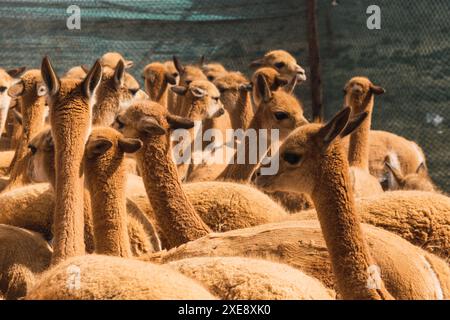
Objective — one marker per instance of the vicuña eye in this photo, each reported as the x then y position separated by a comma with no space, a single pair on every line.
133,91
281,115
279,65
175,74
292,158
2,89
32,148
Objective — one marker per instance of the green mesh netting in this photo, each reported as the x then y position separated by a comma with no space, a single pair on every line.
409,56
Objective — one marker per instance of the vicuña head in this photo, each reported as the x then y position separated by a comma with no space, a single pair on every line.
306,152
172,70
201,100
358,92
283,62
6,81
274,80
277,110
157,78
187,73
213,70
117,90
111,59
30,90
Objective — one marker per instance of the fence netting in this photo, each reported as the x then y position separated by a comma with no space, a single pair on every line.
409,56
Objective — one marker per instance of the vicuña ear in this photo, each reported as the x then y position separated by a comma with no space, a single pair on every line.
177,122
398,176
150,126
129,145
180,90
422,169
354,123
334,127
97,147
178,64
170,78
263,88
16,72
198,92
92,80
50,78
16,90
257,63
202,60
128,64
17,116
377,90
119,74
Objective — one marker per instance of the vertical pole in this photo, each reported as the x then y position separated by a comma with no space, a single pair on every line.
314,62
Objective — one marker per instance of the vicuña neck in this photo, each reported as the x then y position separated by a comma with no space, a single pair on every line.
349,253
176,215
242,113
109,213
358,153
67,129
33,110
242,172
158,93
33,117
105,109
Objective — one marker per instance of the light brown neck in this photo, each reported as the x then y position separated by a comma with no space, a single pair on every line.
33,117
191,109
349,253
157,91
32,109
106,107
358,152
106,184
70,126
172,102
242,112
180,103
176,215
